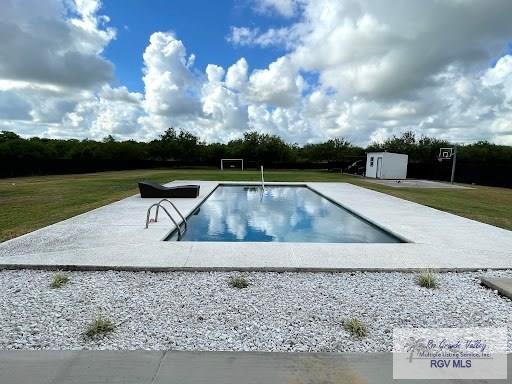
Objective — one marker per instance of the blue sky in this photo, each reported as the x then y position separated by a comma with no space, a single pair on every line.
202,25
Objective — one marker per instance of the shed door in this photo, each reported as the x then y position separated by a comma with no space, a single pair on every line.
379,168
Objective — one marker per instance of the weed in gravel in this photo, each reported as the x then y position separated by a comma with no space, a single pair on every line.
99,327
59,280
356,327
238,282
427,279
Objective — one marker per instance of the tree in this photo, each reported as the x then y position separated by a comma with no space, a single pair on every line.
6,136
425,149
109,139
169,135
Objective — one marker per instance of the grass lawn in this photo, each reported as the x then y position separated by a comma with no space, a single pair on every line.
29,203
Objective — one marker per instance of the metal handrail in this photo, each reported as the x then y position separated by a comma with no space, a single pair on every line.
168,214
184,220
158,206
262,179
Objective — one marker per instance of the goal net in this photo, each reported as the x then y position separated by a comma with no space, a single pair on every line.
231,164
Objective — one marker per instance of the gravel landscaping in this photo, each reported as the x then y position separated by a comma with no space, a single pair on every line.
202,311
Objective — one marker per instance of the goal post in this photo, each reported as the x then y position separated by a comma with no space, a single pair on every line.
230,163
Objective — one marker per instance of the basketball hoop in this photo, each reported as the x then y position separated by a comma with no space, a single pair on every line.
445,154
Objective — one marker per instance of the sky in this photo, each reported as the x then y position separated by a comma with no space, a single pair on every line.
306,70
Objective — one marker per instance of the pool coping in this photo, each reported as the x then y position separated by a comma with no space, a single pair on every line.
113,238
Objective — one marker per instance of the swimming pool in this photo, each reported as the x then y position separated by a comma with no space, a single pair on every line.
277,214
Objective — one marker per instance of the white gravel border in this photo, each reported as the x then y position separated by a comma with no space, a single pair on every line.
200,311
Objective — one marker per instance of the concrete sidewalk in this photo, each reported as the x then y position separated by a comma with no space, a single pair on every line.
141,367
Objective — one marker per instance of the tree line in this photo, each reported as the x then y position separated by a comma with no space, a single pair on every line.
176,145
252,146
481,162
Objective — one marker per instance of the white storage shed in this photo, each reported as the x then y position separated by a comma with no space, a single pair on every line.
386,165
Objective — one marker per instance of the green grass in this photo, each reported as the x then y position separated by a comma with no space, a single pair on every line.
427,280
355,327
99,326
29,203
59,280
489,205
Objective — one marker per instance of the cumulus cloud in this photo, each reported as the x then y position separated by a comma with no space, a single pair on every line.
176,96
169,84
354,68
224,114
51,64
236,76
370,49
111,112
214,73
40,46
415,66
279,85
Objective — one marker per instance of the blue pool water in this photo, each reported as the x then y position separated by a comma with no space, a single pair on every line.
278,213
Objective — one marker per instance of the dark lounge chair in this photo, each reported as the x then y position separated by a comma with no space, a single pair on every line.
155,190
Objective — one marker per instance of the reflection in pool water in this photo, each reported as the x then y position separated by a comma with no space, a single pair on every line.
278,213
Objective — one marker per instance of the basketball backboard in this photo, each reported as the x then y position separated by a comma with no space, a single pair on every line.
445,154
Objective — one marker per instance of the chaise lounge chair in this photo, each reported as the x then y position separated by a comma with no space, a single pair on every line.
155,190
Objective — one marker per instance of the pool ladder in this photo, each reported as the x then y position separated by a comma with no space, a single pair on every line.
158,206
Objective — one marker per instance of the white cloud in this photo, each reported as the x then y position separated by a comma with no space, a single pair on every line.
214,73
224,115
51,65
502,71
279,84
382,70
502,129
500,77
236,77
176,96
169,84
355,68
91,37
40,46
287,8
113,111
243,36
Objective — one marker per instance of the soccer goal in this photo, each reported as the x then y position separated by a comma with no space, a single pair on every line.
231,163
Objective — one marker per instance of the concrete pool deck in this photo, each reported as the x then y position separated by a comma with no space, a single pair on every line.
113,237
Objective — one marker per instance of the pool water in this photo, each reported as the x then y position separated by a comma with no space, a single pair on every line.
277,213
